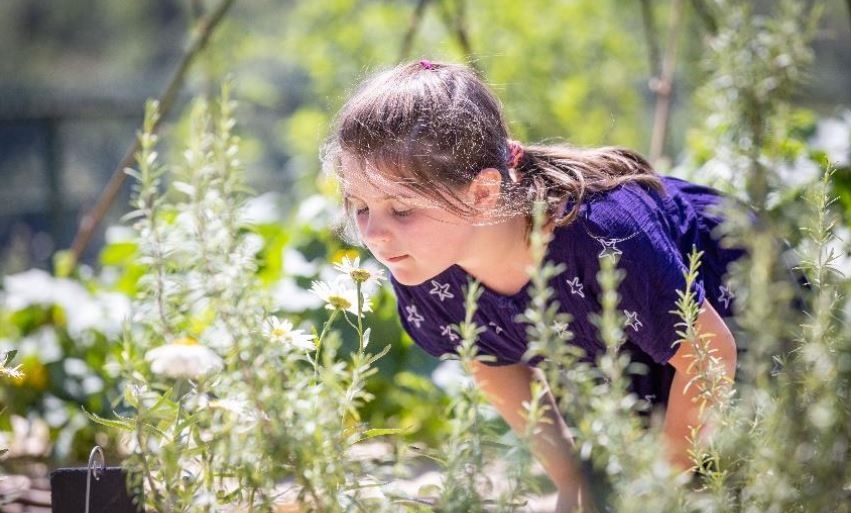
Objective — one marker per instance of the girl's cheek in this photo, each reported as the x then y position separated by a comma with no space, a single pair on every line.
360,226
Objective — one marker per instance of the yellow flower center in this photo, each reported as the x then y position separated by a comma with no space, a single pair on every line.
186,341
339,302
360,274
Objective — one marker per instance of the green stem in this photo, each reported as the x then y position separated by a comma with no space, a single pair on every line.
143,454
324,332
360,316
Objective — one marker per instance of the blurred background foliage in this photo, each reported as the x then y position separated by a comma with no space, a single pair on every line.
75,74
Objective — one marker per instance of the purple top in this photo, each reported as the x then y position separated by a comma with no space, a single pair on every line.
651,233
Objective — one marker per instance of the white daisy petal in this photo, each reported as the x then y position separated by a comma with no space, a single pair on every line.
367,275
281,331
340,295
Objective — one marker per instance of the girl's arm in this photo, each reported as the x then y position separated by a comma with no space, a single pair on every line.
507,388
683,411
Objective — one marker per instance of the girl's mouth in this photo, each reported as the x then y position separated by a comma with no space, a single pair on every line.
396,258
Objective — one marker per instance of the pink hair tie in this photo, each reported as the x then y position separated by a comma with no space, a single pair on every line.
426,64
515,154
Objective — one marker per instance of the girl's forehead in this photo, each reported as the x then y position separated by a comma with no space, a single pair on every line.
365,184
368,183
364,180
380,188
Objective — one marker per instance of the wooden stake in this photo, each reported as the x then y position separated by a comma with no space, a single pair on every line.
663,84
94,217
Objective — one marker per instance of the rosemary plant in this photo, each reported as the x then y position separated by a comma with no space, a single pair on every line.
232,407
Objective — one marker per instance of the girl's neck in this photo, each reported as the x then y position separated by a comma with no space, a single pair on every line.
501,257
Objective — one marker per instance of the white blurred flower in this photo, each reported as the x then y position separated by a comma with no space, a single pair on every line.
251,244
119,233
290,297
55,411
262,209
450,377
217,337
115,310
315,211
280,331
83,311
91,385
296,265
31,287
44,344
798,173
340,294
833,136
183,358
366,275
29,437
75,367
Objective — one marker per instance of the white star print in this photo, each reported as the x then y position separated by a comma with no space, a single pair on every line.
447,331
632,320
498,329
575,287
414,316
609,248
726,296
441,290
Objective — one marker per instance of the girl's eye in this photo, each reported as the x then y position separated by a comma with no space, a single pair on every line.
358,207
402,212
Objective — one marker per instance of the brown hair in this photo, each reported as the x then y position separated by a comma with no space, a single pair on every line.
435,126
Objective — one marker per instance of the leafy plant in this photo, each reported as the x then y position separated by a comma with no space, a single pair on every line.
228,401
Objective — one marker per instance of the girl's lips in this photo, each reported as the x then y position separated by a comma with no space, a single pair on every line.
396,258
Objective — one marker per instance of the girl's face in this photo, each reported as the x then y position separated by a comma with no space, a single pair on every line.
413,236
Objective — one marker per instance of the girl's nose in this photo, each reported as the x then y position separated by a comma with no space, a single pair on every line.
374,231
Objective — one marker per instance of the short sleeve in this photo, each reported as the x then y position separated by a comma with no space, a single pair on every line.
428,321
631,228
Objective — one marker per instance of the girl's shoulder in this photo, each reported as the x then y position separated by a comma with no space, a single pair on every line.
638,225
634,208
621,212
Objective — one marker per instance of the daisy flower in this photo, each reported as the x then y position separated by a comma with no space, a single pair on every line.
368,276
339,295
281,331
183,358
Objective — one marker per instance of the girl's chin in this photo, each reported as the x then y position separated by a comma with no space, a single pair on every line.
412,279
408,279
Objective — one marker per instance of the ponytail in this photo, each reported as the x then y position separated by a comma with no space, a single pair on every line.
564,176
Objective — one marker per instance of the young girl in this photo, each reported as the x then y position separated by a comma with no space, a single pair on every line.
440,194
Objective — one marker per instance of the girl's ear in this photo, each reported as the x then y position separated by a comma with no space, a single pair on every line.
485,190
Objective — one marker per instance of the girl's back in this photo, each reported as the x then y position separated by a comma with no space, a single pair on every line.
650,233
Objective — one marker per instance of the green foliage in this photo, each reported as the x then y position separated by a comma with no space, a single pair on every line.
62,331
226,400
572,70
201,275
